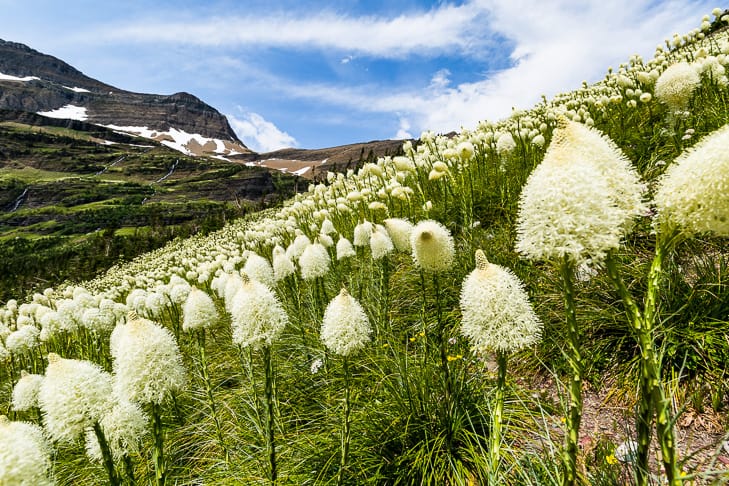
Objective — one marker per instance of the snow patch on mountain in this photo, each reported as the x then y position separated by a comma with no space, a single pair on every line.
8,77
182,141
78,90
70,112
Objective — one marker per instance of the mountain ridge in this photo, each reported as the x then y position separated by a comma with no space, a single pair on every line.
36,82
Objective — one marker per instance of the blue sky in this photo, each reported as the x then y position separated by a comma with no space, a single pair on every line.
317,74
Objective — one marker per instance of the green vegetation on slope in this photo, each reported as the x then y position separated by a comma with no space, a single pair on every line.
61,188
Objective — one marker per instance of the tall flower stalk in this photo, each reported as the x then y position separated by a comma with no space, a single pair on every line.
575,208
258,318
199,313
574,358
345,331
433,251
497,317
149,370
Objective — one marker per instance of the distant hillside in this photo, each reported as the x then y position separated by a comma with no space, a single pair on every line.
313,164
73,192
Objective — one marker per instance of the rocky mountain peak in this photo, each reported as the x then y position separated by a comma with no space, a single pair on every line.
39,83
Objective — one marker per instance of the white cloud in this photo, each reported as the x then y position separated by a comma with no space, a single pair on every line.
448,27
404,130
556,45
259,134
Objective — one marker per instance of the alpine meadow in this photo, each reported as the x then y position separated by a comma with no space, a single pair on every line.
540,300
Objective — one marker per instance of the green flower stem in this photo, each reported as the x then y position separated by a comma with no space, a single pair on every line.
574,357
209,391
497,419
653,398
129,470
270,414
442,341
106,455
160,467
384,296
345,425
645,404
664,419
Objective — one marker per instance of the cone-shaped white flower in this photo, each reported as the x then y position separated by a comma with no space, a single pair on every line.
257,316
25,392
694,191
345,328
124,427
199,311
345,248
314,262
282,264
676,85
573,206
73,395
362,233
432,246
497,315
25,456
400,231
380,244
586,143
23,341
298,246
258,268
98,320
147,362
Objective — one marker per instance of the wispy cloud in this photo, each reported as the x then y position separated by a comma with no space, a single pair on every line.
556,45
260,134
447,27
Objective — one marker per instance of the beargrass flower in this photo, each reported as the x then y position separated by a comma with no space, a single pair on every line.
432,246
123,426
25,392
693,193
258,268
25,456
573,206
380,244
327,227
345,327
497,315
676,85
362,233
345,248
400,231
282,264
199,311
257,316
505,144
98,321
314,262
147,362
585,143
73,396
298,246
23,341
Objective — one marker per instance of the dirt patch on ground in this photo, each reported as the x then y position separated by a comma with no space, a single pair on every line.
609,418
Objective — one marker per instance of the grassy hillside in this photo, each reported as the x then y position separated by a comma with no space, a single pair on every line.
77,198
586,343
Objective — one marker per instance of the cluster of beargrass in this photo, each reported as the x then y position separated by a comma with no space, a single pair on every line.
382,328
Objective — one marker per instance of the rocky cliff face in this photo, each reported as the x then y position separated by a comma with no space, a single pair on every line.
35,82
